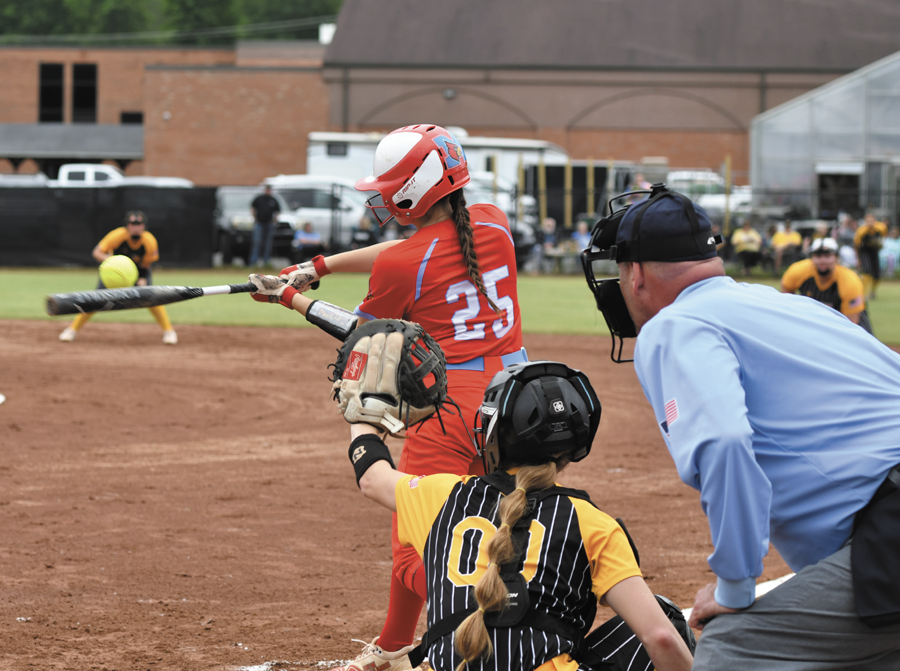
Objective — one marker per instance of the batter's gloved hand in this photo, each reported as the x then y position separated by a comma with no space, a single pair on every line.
271,289
391,374
306,275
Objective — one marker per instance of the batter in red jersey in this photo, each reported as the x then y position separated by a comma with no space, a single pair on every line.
456,276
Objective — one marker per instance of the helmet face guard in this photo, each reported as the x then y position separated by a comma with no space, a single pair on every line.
534,411
608,292
381,213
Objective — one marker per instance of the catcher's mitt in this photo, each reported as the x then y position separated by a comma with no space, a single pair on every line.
391,374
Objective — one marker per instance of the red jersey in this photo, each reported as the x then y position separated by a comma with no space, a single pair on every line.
424,280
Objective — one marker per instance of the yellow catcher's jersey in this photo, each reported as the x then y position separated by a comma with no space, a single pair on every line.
143,252
575,554
843,292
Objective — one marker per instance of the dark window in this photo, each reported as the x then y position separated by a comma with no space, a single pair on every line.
50,105
337,148
101,177
78,176
132,117
84,92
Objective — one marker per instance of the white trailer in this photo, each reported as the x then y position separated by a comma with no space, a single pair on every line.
350,155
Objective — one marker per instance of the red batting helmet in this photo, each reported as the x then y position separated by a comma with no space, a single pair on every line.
415,166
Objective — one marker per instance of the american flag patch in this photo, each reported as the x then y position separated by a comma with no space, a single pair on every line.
671,412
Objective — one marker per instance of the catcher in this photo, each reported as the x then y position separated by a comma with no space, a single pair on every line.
538,556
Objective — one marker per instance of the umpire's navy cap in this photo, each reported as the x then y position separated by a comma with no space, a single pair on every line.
669,228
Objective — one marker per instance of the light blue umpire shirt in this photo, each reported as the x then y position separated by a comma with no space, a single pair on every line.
780,411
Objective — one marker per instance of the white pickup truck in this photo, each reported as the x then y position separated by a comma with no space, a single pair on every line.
95,174
89,175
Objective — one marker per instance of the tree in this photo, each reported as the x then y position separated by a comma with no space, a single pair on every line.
34,17
187,15
92,17
265,11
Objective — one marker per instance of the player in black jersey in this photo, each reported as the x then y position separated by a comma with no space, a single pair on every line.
515,565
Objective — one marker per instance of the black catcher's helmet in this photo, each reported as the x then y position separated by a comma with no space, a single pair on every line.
534,410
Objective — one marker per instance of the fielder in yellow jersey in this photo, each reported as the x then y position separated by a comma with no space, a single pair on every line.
821,278
133,240
515,565
868,239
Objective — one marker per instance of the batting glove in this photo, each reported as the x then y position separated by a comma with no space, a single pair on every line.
305,275
271,289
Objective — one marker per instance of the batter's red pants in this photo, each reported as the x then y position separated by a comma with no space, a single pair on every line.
428,450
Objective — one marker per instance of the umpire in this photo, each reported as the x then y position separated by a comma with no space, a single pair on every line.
786,417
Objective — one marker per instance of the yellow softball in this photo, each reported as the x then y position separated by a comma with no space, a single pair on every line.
117,272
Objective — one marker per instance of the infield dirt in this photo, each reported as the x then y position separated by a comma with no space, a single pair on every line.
192,507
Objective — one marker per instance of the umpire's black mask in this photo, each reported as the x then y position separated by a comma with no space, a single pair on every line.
666,226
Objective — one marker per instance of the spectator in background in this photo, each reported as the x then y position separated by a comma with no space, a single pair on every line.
847,256
639,184
786,246
747,244
307,243
889,256
364,235
548,244
582,235
264,208
823,230
767,251
868,240
846,230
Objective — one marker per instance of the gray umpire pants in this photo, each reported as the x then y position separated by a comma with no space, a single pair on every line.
809,623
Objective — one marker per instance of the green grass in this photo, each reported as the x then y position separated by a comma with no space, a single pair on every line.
550,304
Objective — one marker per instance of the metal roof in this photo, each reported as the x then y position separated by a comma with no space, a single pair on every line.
72,141
704,35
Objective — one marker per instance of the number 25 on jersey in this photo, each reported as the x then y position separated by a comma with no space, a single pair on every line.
467,291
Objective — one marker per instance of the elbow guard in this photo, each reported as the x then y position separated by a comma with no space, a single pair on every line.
335,321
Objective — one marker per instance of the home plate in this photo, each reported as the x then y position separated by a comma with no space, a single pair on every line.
761,589
2,398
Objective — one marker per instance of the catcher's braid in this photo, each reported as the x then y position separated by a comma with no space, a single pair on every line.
467,243
472,637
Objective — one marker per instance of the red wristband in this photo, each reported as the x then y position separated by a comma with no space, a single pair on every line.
287,297
319,264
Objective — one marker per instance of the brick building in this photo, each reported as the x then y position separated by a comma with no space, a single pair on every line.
215,116
622,79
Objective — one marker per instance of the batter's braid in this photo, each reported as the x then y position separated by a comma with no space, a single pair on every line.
467,243
472,637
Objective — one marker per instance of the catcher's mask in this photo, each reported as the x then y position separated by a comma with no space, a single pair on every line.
533,411
414,167
605,244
